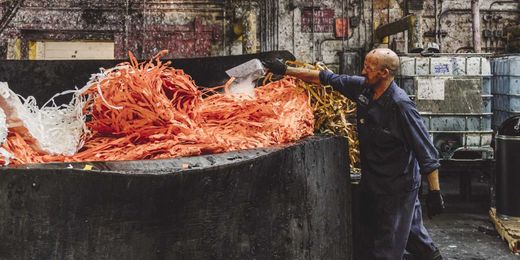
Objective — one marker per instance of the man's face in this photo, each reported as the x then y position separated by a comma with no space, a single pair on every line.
372,71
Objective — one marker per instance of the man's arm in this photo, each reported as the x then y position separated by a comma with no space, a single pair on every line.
307,75
349,86
419,141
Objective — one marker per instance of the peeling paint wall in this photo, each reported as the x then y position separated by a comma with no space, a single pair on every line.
185,28
191,28
453,16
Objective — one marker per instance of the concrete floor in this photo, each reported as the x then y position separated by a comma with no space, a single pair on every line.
468,236
464,231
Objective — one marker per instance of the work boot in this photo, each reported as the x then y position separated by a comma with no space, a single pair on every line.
435,255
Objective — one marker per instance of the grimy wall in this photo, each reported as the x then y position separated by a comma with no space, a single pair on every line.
195,28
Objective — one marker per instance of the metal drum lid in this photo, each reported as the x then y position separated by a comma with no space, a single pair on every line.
510,129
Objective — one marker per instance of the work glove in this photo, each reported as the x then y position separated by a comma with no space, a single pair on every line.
434,203
275,66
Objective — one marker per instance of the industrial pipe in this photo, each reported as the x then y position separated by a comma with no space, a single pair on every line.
475,4
463,11
502,2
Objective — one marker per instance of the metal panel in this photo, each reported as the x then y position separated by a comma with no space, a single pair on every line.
75,50
445,65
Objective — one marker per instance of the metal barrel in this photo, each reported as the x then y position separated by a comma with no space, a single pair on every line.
508,168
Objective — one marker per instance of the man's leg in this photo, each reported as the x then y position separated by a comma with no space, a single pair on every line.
394,215
420,244
367,223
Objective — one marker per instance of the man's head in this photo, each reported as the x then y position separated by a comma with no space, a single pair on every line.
381,65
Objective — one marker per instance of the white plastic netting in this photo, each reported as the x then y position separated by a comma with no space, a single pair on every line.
52,129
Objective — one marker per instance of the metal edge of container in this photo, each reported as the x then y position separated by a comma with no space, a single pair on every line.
435,55
507,137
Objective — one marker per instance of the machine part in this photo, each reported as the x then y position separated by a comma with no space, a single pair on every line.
472,153
354,21
415,5
408,23
475,7
487,33
498,34
432,47
349,63
446,144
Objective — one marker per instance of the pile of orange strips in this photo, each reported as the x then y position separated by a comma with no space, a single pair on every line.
151,110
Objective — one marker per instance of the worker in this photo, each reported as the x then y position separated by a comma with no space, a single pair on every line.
395,150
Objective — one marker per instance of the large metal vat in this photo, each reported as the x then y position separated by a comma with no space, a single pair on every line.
288,202
282,203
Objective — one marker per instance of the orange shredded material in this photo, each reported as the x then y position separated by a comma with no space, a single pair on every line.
150,110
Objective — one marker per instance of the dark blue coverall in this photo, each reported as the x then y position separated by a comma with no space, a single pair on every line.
395,151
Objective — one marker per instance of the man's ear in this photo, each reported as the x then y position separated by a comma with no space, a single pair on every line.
385,73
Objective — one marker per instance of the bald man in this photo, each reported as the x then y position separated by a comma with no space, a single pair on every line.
395,151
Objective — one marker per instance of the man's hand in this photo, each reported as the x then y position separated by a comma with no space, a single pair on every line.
434,203
275,66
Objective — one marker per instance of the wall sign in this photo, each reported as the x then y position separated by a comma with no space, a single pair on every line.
322,20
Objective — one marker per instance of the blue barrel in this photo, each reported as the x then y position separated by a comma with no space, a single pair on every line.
507,156
505,88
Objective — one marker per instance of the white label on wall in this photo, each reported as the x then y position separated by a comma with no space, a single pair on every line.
430,89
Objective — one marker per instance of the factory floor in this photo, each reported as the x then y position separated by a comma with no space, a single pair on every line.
464,231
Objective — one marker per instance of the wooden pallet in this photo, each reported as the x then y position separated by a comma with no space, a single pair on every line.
509,230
